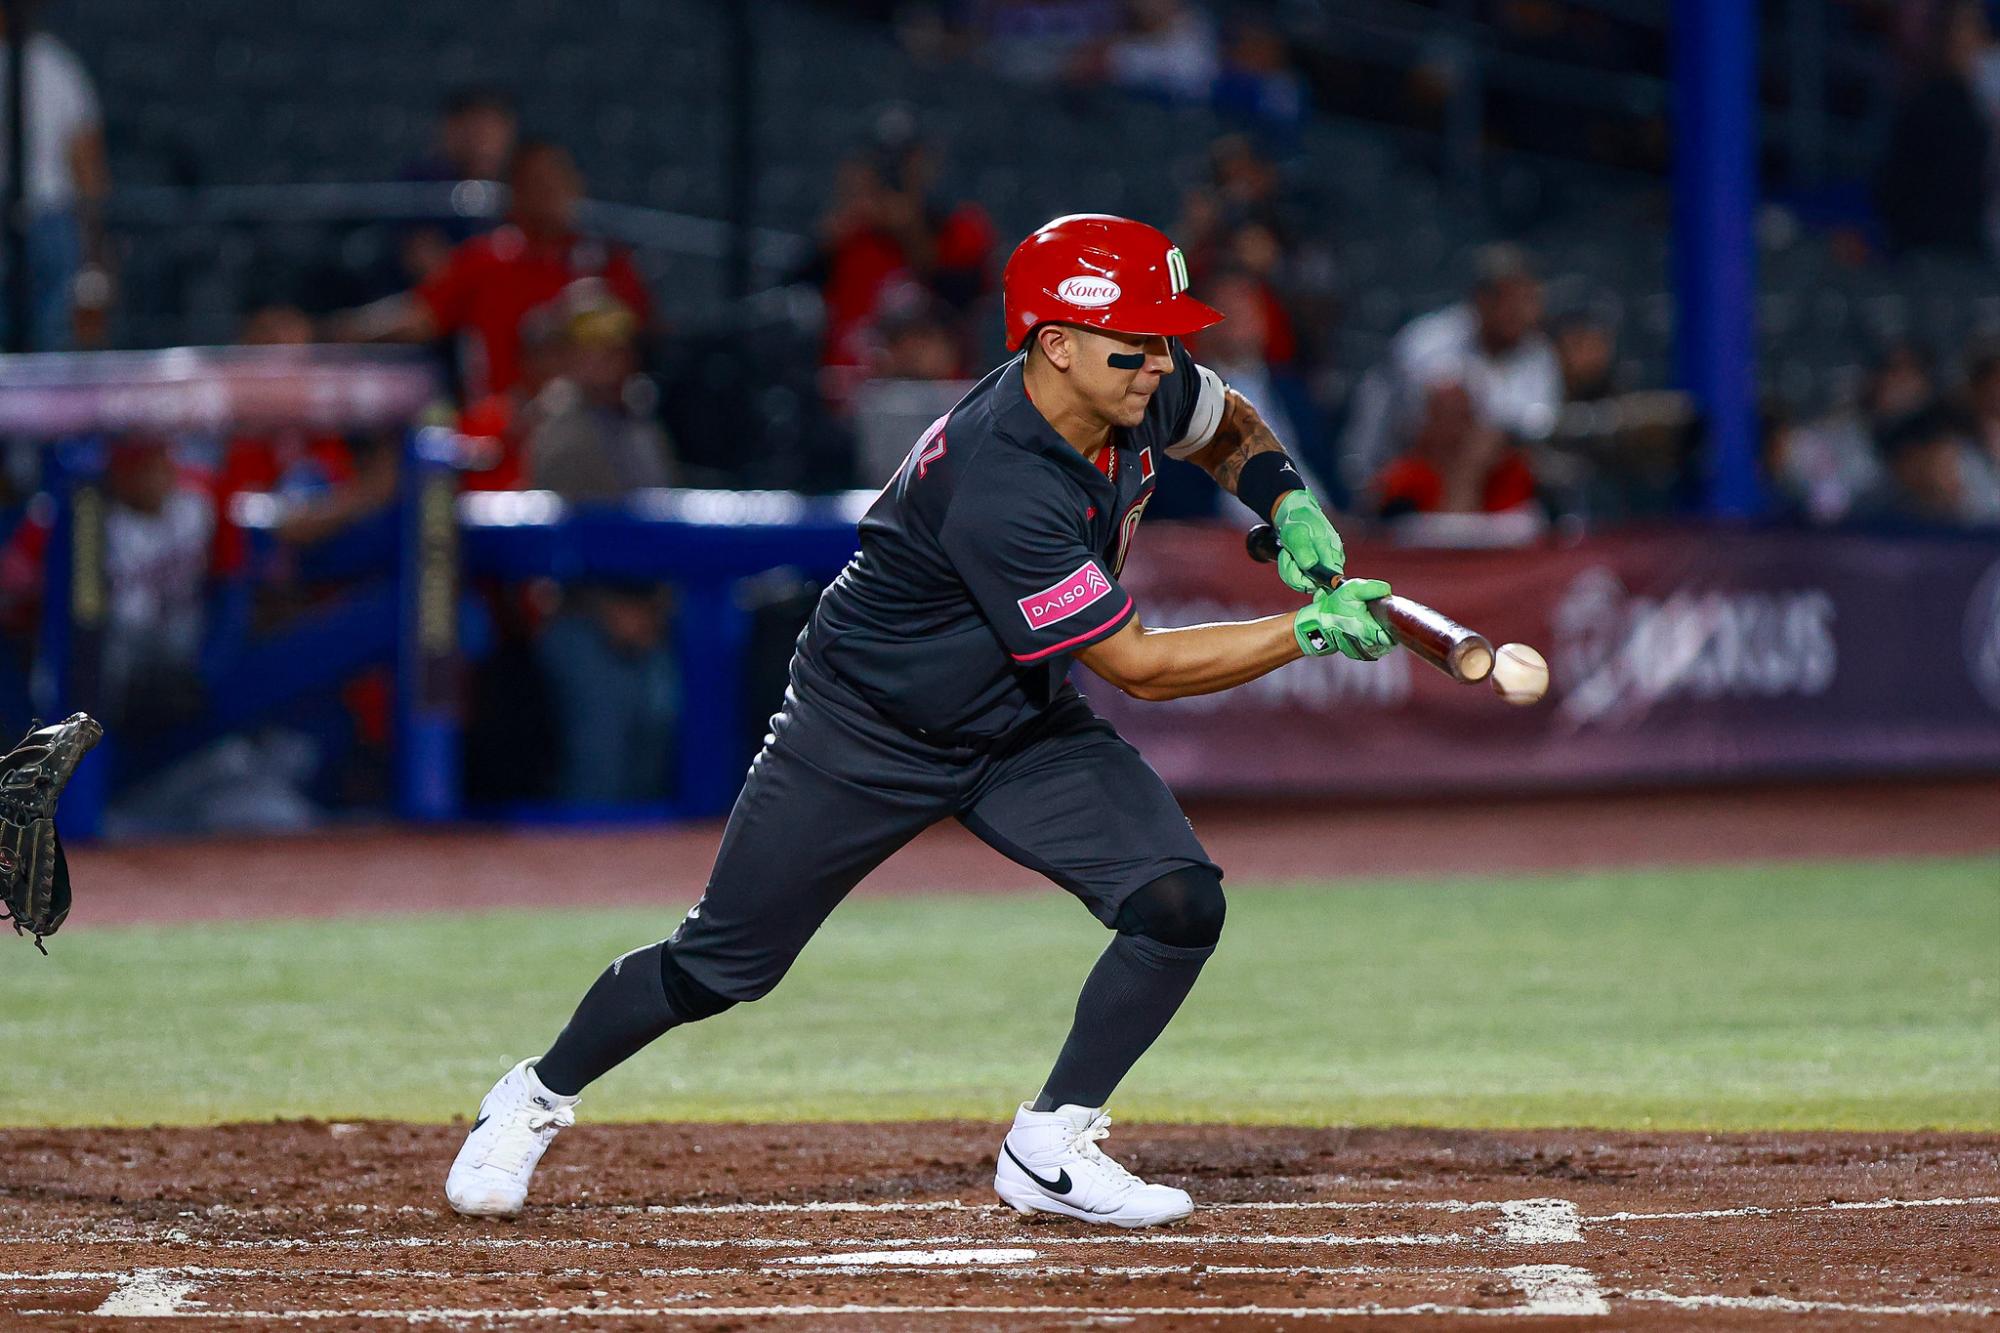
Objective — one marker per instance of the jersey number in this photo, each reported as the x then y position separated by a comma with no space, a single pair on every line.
930,447
1127,529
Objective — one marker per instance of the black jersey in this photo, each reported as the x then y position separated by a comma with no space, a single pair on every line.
992,557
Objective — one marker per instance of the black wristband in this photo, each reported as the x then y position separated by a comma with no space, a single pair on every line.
1266,477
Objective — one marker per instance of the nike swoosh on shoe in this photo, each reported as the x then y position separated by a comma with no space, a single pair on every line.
1060,1185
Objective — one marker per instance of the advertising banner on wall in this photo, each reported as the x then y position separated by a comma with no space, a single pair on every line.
1675,656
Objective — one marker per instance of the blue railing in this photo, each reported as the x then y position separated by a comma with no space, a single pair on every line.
404,604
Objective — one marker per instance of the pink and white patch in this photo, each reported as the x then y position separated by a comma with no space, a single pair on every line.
1063,599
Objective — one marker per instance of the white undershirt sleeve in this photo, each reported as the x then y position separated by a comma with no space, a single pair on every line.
1207,417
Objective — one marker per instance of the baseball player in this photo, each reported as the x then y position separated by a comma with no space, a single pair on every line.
933,682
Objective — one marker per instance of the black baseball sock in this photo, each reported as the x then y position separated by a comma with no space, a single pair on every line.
1127,1001
624,1010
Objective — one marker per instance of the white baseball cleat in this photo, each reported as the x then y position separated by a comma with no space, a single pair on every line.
1050,1163
517,1122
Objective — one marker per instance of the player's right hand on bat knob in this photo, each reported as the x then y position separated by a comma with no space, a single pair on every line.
1337,621
1310,553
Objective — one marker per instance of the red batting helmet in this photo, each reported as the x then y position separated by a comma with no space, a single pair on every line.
1102,272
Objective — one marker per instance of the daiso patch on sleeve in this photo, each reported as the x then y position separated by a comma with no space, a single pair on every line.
1065,597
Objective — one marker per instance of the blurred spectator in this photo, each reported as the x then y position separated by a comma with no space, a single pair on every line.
492,281
1167,49
1258,82
915,375
68,182
1236,221
158,528
593,434
914,338
476,134
1982,392
1925,457
276,326
1825,467
1243,186
1034,41
884,229
616,690
1238,349
1587,350
1491,345
324,483
476,138
1457,463
493,430
1938,169
605,655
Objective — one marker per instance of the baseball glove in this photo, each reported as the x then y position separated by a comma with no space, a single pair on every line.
33,871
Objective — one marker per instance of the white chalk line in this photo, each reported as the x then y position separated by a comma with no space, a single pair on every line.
812,1207
1540,1222
1038,1270
765,1242
161,1292
1559,1289
1975,1201
807,1266
840,1206
1425,1309
206,1271
603,1312
1548,1289
1523,1221
145,1294
1792,1305
1532,1307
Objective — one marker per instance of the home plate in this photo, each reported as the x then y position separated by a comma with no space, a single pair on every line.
915,1258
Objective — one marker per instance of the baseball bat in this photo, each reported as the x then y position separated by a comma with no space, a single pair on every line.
1462,654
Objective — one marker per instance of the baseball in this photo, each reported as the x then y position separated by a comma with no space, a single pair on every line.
1520,675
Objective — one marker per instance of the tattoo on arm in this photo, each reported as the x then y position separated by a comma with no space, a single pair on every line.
1241,437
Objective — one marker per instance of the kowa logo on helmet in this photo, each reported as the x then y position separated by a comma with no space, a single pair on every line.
1088,291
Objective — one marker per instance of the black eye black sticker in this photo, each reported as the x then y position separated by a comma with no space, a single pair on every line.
1126,360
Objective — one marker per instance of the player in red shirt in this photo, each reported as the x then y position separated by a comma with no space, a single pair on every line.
885,229
492,281
1457,464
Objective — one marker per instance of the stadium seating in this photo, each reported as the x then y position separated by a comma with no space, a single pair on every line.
310,90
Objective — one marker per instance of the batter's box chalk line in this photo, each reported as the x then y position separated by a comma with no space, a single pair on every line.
1546,1289
1522,1219
1560,1296
1540,1222
147,1293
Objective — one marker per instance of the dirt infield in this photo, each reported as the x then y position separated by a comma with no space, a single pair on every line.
894,1227
351,871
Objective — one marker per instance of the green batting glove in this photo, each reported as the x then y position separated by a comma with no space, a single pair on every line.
1310,556
1337,621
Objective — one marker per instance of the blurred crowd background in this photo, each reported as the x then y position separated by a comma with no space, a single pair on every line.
1440,230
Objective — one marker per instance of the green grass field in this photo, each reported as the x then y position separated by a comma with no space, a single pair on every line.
1794,996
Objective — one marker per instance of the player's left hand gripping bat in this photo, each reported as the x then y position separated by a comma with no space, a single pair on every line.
1465,656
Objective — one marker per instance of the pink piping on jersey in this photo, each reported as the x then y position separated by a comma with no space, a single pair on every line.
1068,643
